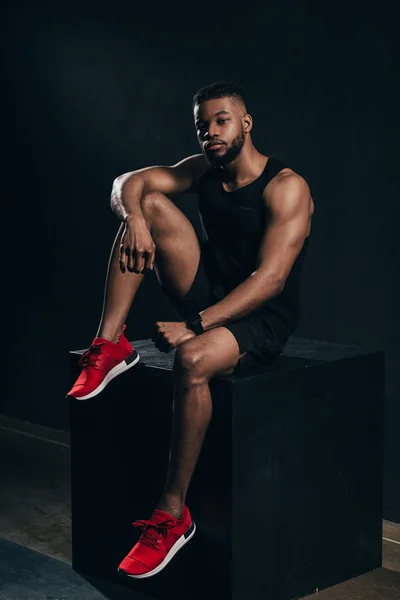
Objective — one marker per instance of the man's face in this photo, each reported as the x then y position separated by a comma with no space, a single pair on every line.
219,120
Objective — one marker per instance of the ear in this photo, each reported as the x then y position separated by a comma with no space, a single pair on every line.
247,123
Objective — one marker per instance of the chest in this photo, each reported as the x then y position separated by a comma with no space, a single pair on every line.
238,214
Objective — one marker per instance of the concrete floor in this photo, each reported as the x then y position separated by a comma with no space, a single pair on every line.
35,509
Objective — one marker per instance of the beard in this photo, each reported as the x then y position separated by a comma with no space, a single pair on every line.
230,154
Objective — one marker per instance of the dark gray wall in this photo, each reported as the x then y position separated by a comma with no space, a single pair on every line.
94,91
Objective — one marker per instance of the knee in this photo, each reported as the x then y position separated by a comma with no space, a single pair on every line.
190,365
153,203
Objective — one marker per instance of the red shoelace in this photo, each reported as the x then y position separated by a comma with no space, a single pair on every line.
91,357
152,533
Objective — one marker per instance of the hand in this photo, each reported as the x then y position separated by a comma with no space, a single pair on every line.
137,249
168,335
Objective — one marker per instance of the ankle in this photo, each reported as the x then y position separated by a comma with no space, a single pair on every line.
172,503
109,336
173,510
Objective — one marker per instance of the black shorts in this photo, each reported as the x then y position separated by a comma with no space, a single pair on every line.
253,333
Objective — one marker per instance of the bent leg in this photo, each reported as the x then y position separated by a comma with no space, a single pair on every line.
177,246
215,352
176,262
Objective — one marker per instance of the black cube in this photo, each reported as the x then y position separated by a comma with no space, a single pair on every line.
287,492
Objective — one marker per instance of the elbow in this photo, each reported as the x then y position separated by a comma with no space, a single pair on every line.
117,188
120,182
114,195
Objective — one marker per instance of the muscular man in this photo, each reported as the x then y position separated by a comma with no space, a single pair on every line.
236,287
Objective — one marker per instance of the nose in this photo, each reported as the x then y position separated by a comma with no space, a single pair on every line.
212,132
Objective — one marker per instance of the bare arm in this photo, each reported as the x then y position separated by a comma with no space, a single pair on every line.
128,189
137,248
288,203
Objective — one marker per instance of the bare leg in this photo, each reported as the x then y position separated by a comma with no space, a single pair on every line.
196,362
119,292
176,261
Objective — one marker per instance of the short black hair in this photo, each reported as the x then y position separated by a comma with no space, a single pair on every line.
219,89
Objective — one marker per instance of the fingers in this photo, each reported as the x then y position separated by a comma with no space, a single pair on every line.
122,251
150,256
127,259
136,256
140,260
159,341
144,257
130,259
137,260
122,258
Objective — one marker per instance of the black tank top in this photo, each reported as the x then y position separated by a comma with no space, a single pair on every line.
233,225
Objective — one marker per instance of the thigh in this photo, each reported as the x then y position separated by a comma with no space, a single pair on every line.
177,253
215,352
201,293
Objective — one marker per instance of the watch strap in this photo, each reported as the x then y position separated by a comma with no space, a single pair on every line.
194,323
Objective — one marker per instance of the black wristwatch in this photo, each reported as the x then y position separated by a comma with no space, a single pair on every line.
194,323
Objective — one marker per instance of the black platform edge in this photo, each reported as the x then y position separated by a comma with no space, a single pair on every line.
298,352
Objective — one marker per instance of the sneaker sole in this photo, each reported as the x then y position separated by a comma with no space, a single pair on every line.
175,548
117,370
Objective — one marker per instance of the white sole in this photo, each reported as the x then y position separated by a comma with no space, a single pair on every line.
117,370
175,548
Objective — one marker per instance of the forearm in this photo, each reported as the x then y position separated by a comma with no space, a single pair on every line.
244,299
126,196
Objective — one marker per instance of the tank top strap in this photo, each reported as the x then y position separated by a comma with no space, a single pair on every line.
272,168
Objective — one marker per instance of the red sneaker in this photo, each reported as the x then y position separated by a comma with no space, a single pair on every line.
161,539
101,362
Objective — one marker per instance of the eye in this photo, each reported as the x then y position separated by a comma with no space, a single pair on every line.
222,120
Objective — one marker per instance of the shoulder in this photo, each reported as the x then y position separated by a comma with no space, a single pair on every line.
287,190
196,162
193,168
197,165
286,179
200,168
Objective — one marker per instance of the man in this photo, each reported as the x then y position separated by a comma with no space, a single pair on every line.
237,290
